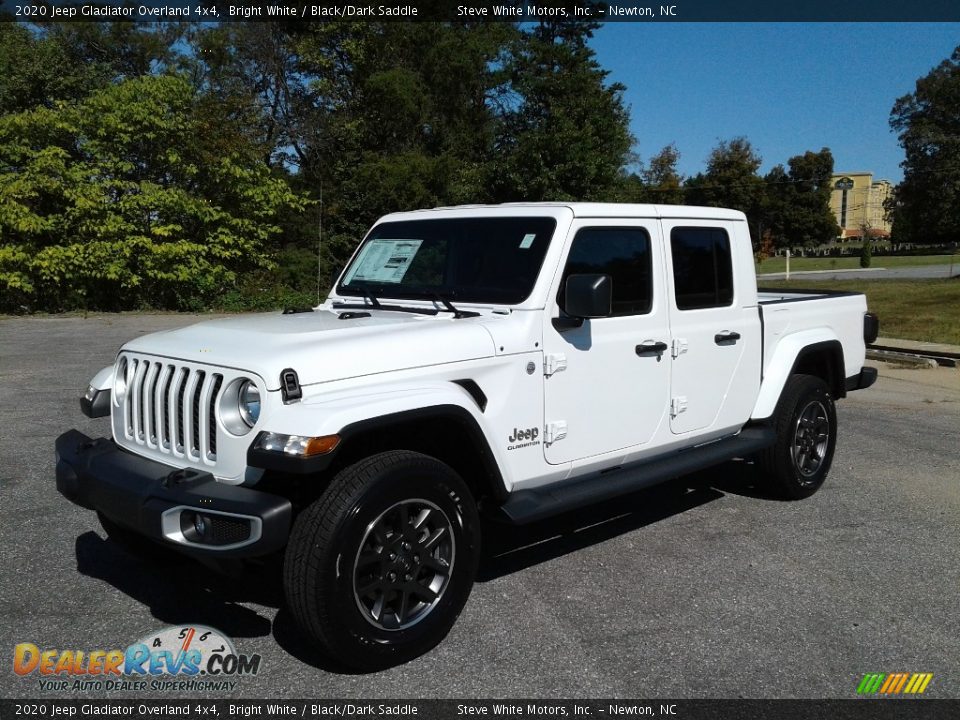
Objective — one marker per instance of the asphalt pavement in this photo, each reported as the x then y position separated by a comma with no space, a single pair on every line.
921,272
704,587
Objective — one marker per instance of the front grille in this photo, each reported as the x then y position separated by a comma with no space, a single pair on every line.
170,408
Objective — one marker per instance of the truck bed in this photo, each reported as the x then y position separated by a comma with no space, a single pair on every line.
772,296
809,313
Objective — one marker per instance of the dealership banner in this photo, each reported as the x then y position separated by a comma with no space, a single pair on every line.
449,709
480,10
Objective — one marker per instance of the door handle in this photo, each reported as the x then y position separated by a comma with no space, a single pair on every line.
726,338
651,348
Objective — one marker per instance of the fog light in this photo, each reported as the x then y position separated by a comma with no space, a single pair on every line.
195,527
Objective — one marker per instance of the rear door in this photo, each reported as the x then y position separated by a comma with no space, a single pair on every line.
712,332
607,381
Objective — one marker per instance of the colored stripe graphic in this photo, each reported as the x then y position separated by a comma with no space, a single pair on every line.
870,683
901,681
888,683
894,683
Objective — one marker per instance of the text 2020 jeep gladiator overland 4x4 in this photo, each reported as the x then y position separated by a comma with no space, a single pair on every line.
537,357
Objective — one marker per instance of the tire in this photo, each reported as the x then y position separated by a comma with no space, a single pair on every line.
806,425
133,543
379,567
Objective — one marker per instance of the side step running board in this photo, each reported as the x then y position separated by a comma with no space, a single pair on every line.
526,506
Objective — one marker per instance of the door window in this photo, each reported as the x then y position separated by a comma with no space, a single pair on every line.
621,253
702,268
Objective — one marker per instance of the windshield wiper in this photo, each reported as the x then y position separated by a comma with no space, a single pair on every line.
365,293
369,296
391,308
437,297
444,299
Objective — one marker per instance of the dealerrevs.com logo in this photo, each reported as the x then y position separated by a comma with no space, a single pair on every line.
177,658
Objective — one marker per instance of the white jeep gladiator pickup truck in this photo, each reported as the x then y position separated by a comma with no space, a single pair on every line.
532,357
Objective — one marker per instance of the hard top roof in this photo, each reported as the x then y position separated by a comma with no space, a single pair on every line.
584,210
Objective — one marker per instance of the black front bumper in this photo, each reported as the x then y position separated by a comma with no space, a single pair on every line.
148,497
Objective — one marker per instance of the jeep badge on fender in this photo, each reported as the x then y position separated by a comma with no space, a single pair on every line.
523,438
357,439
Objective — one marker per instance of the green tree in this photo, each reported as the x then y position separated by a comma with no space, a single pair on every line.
927,121
253,70
375,117
396,116
662,182
731,180
43,64
133,196
796,203
563,131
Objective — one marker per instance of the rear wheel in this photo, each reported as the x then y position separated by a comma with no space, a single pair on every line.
380,566
806,425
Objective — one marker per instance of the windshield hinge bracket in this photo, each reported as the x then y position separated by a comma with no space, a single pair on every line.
290,388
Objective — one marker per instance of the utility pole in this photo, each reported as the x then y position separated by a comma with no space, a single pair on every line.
319,243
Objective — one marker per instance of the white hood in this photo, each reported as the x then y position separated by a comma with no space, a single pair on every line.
320,346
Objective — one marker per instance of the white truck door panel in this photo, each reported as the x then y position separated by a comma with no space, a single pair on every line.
607,382
715,340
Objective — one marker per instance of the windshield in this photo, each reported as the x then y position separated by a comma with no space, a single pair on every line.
480,260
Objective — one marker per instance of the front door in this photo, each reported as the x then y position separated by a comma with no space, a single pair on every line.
607,381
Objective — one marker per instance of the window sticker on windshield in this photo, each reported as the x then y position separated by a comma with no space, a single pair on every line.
385,261
527,241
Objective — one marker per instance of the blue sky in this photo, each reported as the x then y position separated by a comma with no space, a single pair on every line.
788,87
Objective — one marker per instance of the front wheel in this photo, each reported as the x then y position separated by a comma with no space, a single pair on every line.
378,568
806,425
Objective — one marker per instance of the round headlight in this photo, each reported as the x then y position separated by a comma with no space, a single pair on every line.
120,379
249,400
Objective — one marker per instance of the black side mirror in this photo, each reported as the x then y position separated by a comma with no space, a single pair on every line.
588,296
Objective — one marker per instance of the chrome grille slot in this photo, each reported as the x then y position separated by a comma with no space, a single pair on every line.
201,409
128,398
137,401
212,415
170,408
163,405
189,416
181,391
175,417
148,420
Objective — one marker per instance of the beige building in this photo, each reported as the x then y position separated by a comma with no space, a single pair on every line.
857,202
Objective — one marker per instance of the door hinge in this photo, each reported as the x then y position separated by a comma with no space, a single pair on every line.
554,363
678,405
554,431
678,347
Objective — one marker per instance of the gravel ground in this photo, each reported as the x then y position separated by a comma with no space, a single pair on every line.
700,588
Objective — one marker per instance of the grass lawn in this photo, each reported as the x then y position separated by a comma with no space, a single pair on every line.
779,264
911,309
